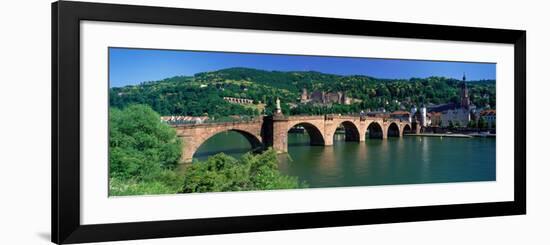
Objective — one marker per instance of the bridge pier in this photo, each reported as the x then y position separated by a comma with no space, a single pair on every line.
188,148
280,134
329,140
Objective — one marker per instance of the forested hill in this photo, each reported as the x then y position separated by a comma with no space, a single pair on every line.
202,94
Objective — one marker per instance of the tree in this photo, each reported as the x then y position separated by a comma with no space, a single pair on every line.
472,124
142,150
482,124
451,125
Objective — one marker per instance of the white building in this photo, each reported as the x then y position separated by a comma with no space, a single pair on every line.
459,117
423,119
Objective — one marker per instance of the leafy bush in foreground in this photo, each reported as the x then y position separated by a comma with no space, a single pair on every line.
224,173
168,182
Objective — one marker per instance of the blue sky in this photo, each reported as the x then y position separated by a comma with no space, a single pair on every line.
133,66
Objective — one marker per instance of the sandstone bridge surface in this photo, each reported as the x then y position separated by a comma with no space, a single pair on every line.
272,131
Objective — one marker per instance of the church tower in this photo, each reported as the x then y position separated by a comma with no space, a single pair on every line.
464,99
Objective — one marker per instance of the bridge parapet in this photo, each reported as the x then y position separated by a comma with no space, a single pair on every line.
300,117
348,117
213,124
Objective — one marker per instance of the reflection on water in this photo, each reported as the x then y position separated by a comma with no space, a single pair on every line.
406,160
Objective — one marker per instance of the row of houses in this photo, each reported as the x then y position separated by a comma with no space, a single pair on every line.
454,117
432,118
184,119
238,100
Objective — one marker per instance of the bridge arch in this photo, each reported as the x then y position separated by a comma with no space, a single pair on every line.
255,142
194,136
315,134
406,129
351,131
375,131
393,130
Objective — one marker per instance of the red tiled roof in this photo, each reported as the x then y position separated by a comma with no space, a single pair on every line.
488,113
400,113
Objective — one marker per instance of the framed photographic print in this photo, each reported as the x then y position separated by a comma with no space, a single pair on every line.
176,122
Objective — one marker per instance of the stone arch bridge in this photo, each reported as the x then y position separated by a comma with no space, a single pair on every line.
272,131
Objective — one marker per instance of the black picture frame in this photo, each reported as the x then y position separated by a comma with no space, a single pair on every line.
66,17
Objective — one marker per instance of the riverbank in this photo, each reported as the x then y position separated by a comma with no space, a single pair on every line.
453,135
441,135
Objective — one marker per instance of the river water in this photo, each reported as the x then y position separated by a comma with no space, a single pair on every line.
406,160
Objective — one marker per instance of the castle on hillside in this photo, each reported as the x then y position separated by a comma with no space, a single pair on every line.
326,98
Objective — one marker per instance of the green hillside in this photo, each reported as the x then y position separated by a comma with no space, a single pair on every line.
202,94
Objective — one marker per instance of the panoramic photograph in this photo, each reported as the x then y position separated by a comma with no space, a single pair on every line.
184,121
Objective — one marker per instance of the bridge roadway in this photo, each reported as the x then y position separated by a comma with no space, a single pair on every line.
272,131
